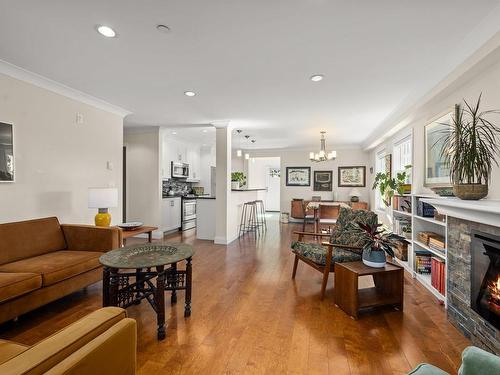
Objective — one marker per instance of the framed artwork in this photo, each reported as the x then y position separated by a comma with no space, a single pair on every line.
323,181
6,152
388,164
437,172
298,176
352,176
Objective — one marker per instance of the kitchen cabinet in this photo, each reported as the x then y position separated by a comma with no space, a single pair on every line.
171,213
174,151
193,159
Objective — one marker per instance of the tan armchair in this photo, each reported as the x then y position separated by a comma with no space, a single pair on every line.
103,342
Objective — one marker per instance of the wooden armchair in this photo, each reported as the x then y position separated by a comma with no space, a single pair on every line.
342,246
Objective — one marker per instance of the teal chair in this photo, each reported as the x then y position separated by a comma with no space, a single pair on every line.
475,361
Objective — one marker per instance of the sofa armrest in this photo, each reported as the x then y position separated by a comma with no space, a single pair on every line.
49,352
91,238
113,352
479,361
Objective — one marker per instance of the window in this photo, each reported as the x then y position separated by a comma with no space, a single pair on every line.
379,167
402,155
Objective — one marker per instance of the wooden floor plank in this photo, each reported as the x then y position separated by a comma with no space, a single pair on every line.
250,317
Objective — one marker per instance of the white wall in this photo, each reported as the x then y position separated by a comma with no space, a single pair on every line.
143,177
484,78
56,159
294,158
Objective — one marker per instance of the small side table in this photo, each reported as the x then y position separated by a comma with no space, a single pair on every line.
388,290
141,230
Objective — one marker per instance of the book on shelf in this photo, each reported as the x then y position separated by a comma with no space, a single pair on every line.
401,204
402,227
425,209
423,262
438,279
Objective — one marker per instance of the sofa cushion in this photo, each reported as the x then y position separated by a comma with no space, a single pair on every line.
317,253
56,266
30,238
9,349
16,284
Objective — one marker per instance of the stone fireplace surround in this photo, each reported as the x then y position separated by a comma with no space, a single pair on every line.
460,313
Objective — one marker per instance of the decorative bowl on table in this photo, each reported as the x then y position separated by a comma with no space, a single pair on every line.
131,225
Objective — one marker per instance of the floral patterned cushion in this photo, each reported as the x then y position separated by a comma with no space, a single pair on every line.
317,253
345,232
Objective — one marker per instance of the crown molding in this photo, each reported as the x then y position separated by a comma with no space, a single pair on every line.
35,79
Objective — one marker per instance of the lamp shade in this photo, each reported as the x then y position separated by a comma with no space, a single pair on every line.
103,197
354,193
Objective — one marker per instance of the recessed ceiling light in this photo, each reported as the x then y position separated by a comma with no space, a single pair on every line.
163,28
189,93
317,77
107,31
174,133
205,130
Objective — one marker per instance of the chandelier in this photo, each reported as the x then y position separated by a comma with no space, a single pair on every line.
322,155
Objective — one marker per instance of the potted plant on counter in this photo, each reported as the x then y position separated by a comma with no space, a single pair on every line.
470,149
377,242
238,180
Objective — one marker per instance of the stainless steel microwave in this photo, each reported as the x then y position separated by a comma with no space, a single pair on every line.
180,170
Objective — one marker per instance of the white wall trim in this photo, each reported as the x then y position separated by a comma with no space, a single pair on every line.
22,74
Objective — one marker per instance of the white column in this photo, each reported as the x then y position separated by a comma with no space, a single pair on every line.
223,181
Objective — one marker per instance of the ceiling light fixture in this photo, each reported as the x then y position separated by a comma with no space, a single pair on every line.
322,155
204,130
317,77
189,93
163,28
107,31
239,152
247,155
174,133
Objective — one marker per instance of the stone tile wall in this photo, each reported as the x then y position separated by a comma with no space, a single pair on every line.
473,326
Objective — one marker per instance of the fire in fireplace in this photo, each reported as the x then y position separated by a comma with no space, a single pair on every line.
485,276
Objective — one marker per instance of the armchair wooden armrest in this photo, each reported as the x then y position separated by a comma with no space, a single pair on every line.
302,234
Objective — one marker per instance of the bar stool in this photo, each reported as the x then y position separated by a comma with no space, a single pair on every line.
261,214
248,221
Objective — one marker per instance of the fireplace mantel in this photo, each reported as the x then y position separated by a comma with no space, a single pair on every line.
484,211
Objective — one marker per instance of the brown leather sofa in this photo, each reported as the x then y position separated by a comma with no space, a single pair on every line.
42,260
103,342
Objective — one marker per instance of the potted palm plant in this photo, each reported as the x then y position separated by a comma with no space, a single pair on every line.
470,149
377,242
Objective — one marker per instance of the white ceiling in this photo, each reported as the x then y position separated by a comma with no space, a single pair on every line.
248,61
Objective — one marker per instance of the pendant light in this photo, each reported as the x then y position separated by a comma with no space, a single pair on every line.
322,155
238,151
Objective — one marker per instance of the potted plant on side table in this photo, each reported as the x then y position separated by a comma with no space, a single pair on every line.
470,149
377,242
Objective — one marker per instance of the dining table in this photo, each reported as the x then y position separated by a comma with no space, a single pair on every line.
314,206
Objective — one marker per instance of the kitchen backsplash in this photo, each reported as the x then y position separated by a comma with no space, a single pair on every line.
175,185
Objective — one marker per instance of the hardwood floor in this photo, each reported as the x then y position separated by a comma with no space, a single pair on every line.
250,317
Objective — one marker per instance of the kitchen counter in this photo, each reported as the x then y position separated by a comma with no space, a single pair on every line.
251,189
205,197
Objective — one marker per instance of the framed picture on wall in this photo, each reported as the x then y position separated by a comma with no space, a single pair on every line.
298,176
352,176
6,152
437,171
323,181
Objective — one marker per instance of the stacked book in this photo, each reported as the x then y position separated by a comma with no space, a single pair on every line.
424,236
438,274
423,263
437,242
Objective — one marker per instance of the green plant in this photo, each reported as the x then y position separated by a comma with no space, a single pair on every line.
388,186
377,239
239,177
470,146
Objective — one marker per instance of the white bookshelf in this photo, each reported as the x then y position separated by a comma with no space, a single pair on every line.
418,224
